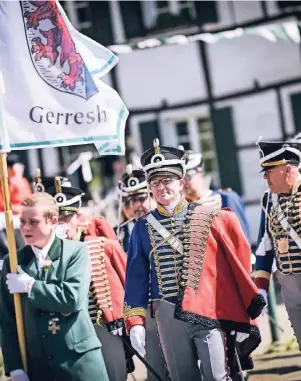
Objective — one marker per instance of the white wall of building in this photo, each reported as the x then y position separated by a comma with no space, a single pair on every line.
146,77
235,64
175,73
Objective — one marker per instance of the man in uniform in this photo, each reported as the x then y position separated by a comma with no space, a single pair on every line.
53,280
280,225
134,185
197,189
108,274
127,220
190,252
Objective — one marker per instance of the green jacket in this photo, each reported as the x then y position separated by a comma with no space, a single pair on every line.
59,295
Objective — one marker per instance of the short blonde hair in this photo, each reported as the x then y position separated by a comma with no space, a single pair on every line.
47,202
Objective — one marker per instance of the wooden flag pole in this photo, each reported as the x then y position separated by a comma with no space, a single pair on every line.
12,254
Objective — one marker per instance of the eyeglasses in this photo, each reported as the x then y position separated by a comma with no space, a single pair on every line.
138,198
165,181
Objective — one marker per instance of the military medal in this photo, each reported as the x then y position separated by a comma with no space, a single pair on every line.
283,245
53,327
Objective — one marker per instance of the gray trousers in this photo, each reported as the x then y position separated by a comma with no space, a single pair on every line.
154,354
113,353
291,295
185,343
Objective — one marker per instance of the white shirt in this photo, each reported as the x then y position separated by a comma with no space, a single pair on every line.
42,254
171,208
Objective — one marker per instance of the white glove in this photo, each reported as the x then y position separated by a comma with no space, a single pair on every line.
117,331
19,375
240,336
265,296
19,283
137,337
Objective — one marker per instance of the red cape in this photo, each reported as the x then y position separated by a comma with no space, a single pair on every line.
219,292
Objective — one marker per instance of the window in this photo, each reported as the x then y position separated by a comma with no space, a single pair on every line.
92,18
132,19
149,130
183,136
170,14
207,147
187,11
296,107
288,6
206,12
225,145
162,7
160,15
196,134
84,15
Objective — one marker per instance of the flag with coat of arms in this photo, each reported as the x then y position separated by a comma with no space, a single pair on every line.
51,92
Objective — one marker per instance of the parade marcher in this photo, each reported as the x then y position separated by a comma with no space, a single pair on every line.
108,275
280,226
197,189
195,258
125,219
53,280
134,185
19,189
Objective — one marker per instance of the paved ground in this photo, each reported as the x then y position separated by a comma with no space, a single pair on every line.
284,364
279,366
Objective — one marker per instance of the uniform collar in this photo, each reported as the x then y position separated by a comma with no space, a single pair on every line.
182,204
44,251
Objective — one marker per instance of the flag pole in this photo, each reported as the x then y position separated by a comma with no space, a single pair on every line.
12,253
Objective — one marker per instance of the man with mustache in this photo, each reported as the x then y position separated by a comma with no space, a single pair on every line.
280,226
189,253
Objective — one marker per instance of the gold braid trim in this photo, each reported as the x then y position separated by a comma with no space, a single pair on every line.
274,163
128,311
100,289
262,274
69,208
196,230
167,266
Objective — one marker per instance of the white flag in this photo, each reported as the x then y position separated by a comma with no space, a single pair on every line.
53,93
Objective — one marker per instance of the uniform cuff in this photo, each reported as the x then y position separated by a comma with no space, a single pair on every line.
134,320
115,324
262,283
29,286
17,372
